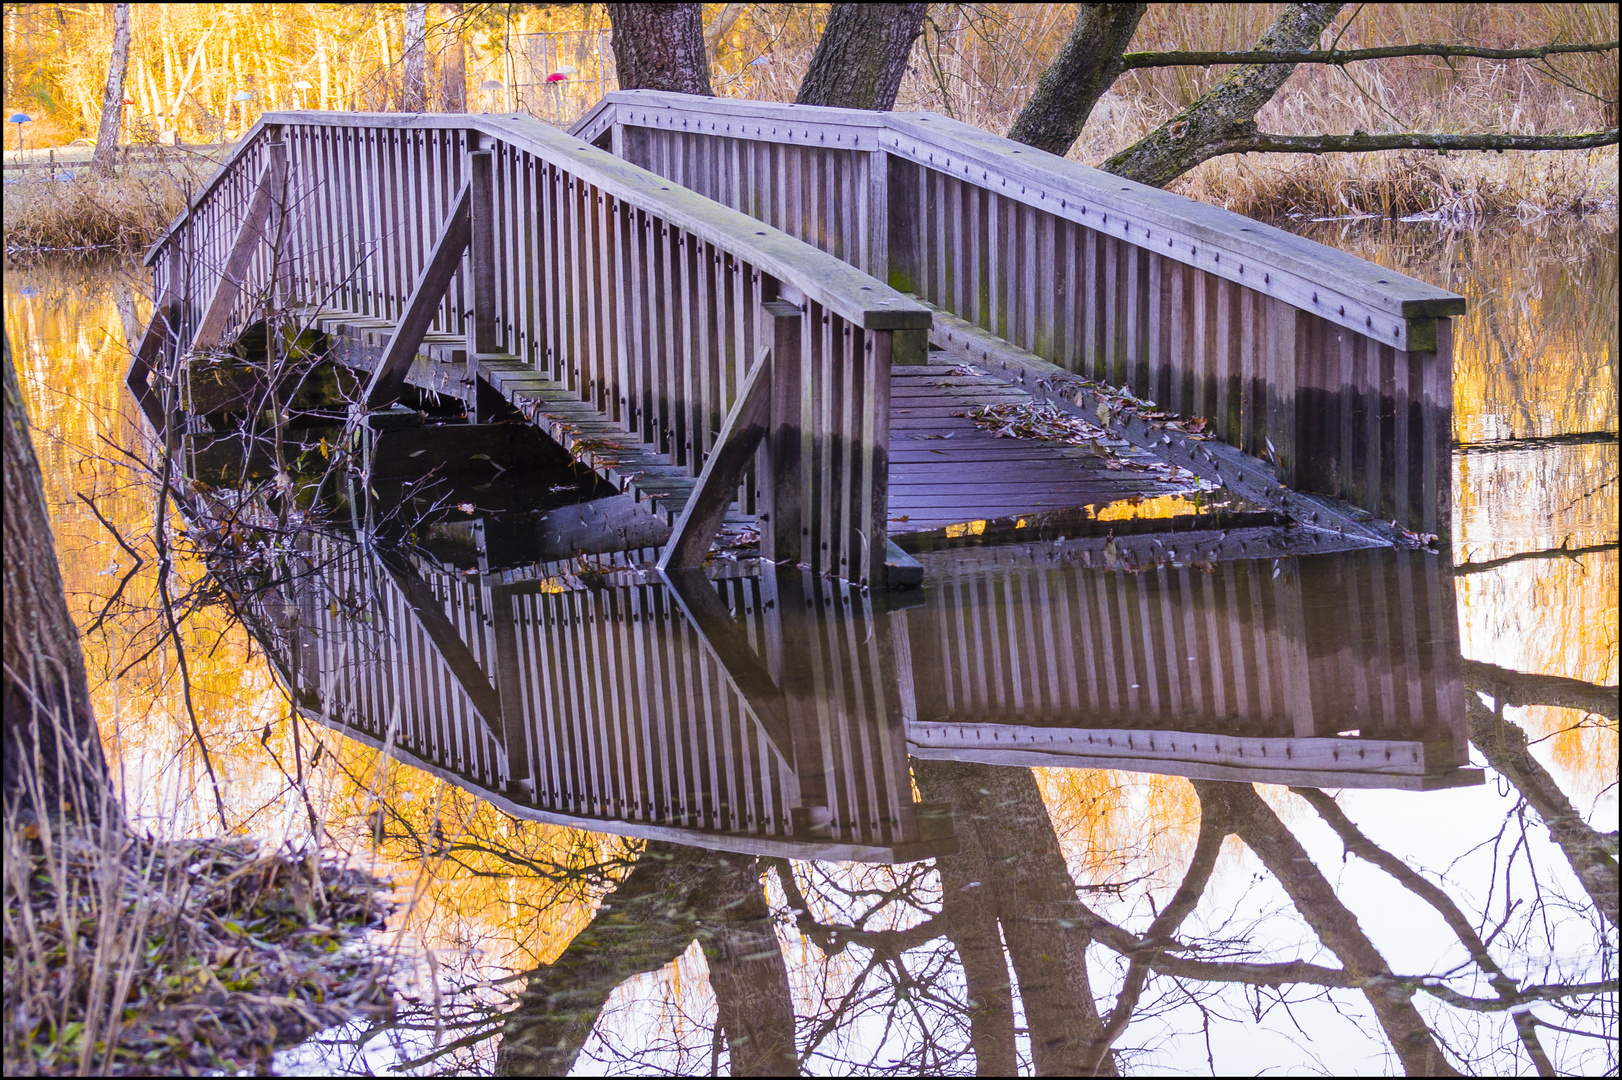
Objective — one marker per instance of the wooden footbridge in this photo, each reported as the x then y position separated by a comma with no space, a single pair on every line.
778,316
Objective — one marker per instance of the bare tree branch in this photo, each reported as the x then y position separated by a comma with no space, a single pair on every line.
1242,142
1521,556
1352,56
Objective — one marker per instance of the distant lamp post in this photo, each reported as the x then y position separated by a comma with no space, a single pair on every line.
491,88
19,119
242,97
301,86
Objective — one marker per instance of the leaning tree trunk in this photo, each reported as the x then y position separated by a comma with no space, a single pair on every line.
862,55
674,895
1228,110
453,64
660,47
1592,854
1088,65
414,82
112,98
1390,998
1008,847
52,745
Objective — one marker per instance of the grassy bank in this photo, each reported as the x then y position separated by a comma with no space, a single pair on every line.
127,956
87,214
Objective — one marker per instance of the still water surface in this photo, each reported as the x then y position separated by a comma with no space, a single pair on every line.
991,826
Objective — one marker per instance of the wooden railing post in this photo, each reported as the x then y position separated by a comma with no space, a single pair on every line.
483,336
1282,329
876,242
783,533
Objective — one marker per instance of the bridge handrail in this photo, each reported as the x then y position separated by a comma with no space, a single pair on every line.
1313,277
822,278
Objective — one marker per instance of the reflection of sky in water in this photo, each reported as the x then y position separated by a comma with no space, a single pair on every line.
1536,358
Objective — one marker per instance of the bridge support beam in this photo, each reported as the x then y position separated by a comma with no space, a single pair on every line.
746,425
781,497
268,191
395,364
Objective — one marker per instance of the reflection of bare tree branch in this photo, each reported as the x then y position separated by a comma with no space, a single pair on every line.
1214,829
1527,1028
674,894
1014,853
1283,855
1521,556
1524,688
1525,996
1420,886
1589,851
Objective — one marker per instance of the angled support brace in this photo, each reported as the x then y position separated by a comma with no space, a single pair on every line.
272,177
430,615
164,324
735,447
723,640
390,375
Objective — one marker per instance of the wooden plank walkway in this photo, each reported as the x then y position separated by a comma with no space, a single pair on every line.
947,470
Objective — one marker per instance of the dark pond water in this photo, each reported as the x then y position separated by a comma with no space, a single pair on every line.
1065,808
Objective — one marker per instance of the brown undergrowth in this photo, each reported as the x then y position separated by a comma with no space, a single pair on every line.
128,956
979,62
75,212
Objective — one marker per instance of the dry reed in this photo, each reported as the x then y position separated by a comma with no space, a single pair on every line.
979,62
81,213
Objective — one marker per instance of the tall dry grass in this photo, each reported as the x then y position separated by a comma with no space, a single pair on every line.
71,211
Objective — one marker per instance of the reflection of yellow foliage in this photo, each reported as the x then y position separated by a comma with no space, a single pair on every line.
1115,826
1553,617
1161,506
968,528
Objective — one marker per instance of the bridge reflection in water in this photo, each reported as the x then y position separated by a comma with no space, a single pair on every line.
775,713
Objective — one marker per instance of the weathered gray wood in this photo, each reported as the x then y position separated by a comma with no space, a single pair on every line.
1342,288
429,613
390,374
482,337
782,482
1208,459
740,435
250,235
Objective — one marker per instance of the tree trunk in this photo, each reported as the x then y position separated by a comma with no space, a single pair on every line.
1007,844
1087,66
747,973
1227,110
862,55
1591,853
720,25
660,47
51,742
112,98
970,915
1313,896
414,81
453,64
674,894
